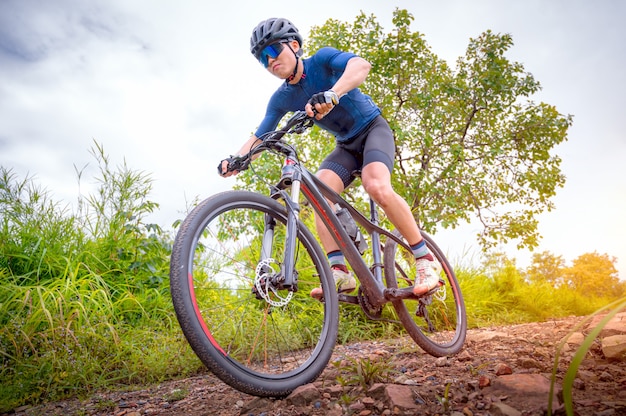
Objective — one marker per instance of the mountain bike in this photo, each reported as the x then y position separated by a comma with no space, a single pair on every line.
243,264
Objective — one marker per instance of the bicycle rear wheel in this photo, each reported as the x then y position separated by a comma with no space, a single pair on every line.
260,340
436,322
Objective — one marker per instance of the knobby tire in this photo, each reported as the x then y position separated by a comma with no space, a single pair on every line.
254,346
448,317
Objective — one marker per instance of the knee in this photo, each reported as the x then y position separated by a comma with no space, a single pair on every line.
380,191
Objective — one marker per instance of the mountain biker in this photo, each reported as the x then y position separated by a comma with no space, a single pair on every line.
328,82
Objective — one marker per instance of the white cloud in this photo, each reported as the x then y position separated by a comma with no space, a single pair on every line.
171,87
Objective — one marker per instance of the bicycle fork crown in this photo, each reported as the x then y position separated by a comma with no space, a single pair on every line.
287,173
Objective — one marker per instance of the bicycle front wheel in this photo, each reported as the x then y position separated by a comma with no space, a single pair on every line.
258,338
437,322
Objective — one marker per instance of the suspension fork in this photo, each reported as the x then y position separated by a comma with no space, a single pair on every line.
287,278
268,237
293,215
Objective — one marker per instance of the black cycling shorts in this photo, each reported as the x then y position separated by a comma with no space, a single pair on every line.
374,144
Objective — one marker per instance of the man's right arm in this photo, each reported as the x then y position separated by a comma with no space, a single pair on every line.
250,144
273,114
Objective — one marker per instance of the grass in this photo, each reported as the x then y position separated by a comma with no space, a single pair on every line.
84,296
507,298
77,334
364,372
176,395
85,305
568,381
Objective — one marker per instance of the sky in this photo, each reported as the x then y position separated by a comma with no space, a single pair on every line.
170,88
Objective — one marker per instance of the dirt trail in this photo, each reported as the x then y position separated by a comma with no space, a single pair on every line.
501,371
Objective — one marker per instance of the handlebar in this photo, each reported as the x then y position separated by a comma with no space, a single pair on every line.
298,123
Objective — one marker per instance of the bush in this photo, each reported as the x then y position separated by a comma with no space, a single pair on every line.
84,297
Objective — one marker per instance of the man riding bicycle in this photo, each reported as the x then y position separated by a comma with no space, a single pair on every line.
326,85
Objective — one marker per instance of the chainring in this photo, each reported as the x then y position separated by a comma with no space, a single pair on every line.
370,311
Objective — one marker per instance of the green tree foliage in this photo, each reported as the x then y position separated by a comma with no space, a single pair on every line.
470,142
546,267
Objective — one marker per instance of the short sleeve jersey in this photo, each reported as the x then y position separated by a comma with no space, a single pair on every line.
321,71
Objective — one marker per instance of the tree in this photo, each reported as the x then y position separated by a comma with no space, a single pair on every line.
595,274
546,267
469,142
504,273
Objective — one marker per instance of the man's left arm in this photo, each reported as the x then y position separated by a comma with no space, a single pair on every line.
353,76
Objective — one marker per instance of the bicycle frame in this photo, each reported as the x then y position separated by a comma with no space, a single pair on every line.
318,195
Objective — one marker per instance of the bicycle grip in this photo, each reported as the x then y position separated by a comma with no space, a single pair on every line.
238,163
219,168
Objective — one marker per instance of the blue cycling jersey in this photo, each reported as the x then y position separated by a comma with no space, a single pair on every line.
321,71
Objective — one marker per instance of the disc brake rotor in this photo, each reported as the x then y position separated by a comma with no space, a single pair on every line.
263,282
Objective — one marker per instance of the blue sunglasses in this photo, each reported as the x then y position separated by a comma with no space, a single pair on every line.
271,51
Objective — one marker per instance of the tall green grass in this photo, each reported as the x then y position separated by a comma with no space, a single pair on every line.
68,337
84,295
504,296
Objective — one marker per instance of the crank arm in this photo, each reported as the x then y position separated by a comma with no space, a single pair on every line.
347,299
397,294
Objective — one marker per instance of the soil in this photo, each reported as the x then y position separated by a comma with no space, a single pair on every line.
500,371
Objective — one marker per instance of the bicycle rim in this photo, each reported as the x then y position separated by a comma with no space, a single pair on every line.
438,322
264,346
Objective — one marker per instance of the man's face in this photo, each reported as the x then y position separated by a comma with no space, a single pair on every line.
280,58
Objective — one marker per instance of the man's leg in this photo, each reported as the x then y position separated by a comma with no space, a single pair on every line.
343,278
376,180
333,180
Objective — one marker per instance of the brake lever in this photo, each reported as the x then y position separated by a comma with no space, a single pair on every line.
299,122
303,126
